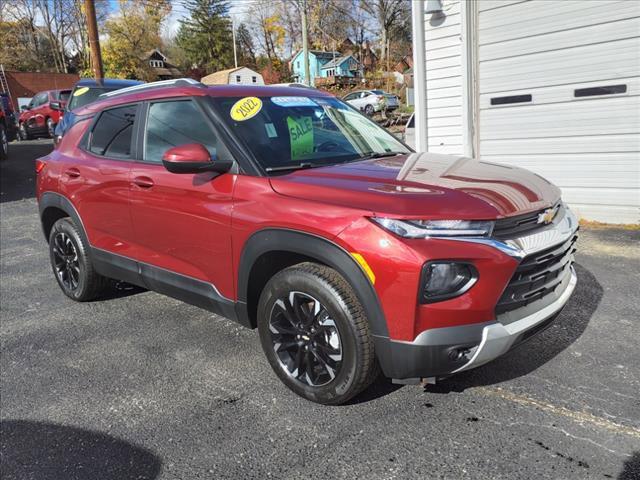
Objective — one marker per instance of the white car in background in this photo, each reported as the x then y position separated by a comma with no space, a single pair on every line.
410,133
371,101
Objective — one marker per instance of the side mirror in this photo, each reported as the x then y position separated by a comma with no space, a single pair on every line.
193,158
55,106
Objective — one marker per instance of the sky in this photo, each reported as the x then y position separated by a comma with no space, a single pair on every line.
239,10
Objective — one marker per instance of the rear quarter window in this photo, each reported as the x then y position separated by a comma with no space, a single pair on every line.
113,131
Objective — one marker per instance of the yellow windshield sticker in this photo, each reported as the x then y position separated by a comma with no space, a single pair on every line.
246,108
80,91
301,136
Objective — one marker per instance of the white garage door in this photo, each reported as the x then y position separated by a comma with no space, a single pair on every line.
560,95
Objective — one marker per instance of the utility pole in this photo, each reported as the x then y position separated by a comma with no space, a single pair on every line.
305,45
419,76
94,41
235,52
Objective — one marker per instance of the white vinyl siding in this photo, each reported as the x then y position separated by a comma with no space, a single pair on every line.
588,146
444,80
246,77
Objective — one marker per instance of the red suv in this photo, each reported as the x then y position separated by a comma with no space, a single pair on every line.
43,113
287,210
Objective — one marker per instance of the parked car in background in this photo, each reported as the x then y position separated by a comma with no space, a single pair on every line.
87,90
410,132
7,125
286,210
371,101
42,114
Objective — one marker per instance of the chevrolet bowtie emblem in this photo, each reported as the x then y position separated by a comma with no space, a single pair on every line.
547,216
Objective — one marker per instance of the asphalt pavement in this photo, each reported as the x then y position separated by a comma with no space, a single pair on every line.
140,386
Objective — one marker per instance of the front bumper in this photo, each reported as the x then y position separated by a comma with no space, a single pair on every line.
446,350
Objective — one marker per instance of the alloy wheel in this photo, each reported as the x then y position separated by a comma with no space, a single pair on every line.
305,339
66,262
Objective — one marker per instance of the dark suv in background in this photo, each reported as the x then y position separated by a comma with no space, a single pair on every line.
87,90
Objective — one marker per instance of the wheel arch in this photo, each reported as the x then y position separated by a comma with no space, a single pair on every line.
52,207
270,250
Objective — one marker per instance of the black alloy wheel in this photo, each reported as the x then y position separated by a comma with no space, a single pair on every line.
305,339
24,133
315,334
66,261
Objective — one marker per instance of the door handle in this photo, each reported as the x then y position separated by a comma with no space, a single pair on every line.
72,172
143,182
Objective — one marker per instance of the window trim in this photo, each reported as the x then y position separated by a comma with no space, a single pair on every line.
85,143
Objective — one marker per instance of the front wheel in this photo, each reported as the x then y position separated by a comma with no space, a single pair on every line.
369,110
315,334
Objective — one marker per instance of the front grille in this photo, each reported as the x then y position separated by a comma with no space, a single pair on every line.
511,227
537,276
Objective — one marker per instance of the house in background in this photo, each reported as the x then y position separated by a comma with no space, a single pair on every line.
344,66
161,66
234,76
317,59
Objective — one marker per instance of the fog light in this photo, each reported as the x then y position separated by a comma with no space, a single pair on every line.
444,280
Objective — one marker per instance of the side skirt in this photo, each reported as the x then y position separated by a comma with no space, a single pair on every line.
187,289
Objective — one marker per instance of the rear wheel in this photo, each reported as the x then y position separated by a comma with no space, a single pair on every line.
4,142
71,263
315,334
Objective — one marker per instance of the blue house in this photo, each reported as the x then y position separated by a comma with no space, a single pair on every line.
344,66
317,59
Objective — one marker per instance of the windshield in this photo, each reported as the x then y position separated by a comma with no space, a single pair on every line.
84,95
378,92
309,131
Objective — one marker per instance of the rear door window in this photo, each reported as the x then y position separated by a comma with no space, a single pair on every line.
112,133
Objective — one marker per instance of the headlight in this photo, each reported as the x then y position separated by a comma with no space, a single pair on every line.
436,228
442,280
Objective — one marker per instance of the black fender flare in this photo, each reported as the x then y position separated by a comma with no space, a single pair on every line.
320,248
55,200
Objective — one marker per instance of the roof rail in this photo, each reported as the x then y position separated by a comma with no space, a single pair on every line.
152,85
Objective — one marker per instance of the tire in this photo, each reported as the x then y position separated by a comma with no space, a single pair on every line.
24,133
369,110
313,306
4,142
71,263
51,128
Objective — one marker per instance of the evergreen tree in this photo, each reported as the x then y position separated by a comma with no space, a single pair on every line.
246,50
206,36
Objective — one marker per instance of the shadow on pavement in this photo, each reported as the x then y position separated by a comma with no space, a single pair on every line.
526,358
631,468
52,452
17,173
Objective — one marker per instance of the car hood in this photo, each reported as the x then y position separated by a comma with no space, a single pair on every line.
423,185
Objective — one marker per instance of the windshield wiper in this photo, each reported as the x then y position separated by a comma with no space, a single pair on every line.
381,155
297,166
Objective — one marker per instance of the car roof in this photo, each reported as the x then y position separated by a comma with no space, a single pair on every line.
199,90
107,82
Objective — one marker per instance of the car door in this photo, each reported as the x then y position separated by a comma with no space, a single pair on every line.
182,222
95,177
37,119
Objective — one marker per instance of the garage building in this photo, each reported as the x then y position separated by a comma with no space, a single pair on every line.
552,86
